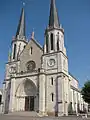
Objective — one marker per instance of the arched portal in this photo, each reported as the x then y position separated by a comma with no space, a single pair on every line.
26,94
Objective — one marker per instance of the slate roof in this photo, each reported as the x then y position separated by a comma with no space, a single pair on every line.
21,25
53,18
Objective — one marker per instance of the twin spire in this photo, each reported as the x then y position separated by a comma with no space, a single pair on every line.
53,20
21,26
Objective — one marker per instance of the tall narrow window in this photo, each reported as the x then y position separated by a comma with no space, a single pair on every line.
47,48
31,50
51,80
47,42
0,99
51,41
58,41
24,46
52,97
14,52
57,45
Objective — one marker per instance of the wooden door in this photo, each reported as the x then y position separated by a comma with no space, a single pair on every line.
31,103
26,103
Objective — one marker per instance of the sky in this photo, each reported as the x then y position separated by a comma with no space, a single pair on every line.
74,15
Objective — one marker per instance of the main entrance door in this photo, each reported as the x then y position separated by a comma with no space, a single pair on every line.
26,103
32,103
29,103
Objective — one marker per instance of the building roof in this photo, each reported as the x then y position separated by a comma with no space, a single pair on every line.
73,77
37,43
76,89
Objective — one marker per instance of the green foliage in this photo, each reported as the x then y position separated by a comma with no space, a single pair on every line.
86,92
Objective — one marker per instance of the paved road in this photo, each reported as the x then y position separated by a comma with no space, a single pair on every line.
14,117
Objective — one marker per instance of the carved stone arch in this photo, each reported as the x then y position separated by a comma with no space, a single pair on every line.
26,88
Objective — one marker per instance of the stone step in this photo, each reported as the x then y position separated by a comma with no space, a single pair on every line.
33,114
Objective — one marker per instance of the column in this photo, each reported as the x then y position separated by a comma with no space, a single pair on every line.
60,96
17,101
12,96
3,98
6,96
45,50
41,93
49,44
46,96
76,108
65,94
72,101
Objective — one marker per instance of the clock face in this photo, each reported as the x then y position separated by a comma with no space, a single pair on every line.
51,62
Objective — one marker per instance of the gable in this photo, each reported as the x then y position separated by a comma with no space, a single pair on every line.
27,55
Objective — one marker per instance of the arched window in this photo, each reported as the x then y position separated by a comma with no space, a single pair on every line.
24,46
57,45
51,41
58,41
47,42
0,99
14,52
52,97
51,80
31,50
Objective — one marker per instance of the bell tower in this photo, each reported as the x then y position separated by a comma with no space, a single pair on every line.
55,64
54,33
19,41
54,40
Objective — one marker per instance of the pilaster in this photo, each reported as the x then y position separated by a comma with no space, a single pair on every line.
3,98
41,93
12,96
60,96
49,44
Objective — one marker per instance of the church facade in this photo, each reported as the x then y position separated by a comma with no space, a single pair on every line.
37,78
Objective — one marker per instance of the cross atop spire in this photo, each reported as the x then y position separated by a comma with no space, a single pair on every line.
21,26
53,18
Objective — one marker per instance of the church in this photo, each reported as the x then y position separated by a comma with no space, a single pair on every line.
37,78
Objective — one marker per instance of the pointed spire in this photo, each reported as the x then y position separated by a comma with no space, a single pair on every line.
33,34
53,18
21,26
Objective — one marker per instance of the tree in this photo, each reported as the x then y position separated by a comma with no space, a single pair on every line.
86,92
